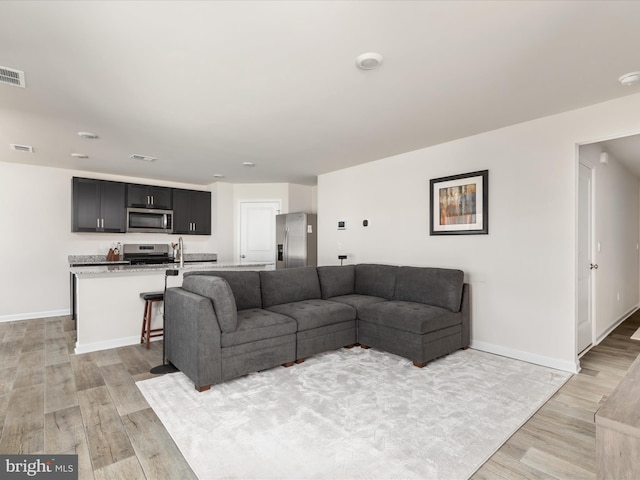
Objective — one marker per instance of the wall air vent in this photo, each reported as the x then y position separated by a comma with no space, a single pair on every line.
144,158
21,148
12,77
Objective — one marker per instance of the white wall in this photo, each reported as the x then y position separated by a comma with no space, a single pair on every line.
302,198
617,225
35,223
223,220
523,274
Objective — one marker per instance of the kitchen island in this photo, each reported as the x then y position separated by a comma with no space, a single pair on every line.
109,308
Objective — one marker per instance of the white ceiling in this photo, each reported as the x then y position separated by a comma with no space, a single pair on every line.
205,86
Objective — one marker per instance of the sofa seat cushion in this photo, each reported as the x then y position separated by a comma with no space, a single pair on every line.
357,301
316,313
255,324
409,316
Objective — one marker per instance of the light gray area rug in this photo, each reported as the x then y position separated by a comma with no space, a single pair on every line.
351,414
636,335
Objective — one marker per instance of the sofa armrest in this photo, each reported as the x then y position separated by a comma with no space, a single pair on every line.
465,309
192,336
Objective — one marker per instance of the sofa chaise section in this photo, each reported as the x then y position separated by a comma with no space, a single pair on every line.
428,316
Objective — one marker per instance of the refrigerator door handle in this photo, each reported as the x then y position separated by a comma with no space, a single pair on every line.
286,247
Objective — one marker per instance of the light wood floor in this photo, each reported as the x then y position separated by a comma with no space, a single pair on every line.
52,401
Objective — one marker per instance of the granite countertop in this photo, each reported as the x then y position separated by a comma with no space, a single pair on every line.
88,260
119,268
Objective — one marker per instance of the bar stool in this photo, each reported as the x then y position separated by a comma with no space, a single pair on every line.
147,332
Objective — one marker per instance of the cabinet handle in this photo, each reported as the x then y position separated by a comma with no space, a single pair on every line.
97,223
194,226
152,200
102,222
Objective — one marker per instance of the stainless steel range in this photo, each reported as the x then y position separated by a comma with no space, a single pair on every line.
147,253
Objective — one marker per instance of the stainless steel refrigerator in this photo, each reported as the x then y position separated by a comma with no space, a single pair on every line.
296,240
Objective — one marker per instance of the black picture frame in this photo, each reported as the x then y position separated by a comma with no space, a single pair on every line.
459,204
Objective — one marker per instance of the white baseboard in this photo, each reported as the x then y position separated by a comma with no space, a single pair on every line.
29,316
615,325
567,366
107,344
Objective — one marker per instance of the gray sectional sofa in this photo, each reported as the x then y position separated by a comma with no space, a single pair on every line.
224,324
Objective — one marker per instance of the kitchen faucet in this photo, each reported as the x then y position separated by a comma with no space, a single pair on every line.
181,251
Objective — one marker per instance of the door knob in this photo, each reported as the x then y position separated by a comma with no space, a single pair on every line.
594,266
242,256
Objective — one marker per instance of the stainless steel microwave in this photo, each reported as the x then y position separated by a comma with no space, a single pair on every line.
149,220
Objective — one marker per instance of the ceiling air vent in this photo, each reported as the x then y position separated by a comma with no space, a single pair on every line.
12,77
145,158
21,148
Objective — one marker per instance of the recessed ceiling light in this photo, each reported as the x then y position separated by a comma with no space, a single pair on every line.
218,175
249,164
79,155
21,148
87,135
368,61
629,79
144,158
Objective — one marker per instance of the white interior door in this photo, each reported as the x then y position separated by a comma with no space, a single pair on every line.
258,231
586,264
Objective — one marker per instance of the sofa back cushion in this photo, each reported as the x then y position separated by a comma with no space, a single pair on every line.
336,281
376,280
289,285
245,286
219,292
441,287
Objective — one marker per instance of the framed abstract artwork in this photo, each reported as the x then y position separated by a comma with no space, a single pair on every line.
460,204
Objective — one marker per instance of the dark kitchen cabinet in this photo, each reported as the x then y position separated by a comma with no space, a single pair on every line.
191,212
98,206
147,196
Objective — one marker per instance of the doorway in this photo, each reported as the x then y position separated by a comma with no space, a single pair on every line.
258,231
586,265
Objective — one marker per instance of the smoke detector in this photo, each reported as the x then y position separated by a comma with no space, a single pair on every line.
13,77
369,61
